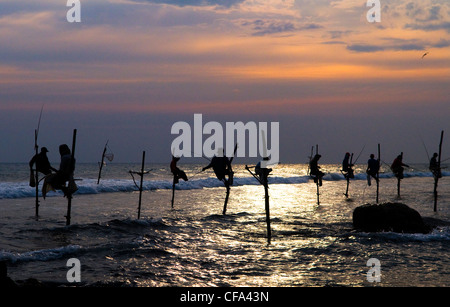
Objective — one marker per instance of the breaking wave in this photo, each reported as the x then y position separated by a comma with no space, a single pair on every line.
13,190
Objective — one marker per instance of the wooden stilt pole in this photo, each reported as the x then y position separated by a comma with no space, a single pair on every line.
140,185
267,206
265,183
173,191
228,182
346,191
378,172
101,163
436,177
141,173
226,199
69,194
318,194
435,193
36,176
399,179
318,179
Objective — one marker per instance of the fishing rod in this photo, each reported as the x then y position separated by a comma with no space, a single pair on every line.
359,154
424,146
256,177
387,164
101,163
38,126
445,160
193,176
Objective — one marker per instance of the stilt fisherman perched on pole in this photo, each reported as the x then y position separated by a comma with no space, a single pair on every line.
65,174
315,173
435,168
42,165
177,174
222,168
373,170
347,170
261,174
397,169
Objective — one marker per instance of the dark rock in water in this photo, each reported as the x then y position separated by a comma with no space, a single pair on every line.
432,222
396,217
5,281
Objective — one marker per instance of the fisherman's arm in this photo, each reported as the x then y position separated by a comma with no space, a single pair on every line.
32,162
206,167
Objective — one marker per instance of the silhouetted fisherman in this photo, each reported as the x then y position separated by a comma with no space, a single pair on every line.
42,164
347,167
65,173
315,169
435,167
222,168
262,172
397,167
373,166
177,173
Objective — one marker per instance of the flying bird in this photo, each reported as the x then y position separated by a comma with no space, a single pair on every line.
424,54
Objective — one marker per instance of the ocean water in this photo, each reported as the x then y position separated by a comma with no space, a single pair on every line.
194,244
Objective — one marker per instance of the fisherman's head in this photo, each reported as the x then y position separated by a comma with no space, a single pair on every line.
64,149
44,149
435,155
317,157
372,156
399,157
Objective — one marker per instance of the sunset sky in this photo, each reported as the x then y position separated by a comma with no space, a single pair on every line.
130,69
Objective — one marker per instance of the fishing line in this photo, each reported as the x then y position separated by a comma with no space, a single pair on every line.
39,124
196,174
359,154
424,146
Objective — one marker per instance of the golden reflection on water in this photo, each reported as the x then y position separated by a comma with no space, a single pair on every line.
311,244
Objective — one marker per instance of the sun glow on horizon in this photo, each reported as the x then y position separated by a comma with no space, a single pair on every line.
151,53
